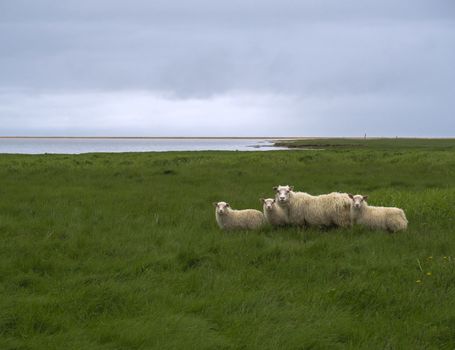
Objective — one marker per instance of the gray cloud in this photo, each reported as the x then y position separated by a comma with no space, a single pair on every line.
342,67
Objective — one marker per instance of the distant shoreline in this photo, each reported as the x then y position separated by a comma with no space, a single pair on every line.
158,137
220,137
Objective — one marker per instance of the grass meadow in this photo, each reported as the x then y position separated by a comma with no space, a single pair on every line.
122,251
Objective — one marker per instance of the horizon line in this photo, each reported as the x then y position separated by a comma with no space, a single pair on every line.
150,137
225,137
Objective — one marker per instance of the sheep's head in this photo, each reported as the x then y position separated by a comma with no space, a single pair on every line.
357,200
221,207
282,193
268,203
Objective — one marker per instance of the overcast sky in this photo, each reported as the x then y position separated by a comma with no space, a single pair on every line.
227,68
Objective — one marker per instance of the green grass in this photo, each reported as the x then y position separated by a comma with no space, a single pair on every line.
375,143
121,251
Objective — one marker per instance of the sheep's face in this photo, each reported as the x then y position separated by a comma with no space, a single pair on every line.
221,207
358,200
282,193
268,203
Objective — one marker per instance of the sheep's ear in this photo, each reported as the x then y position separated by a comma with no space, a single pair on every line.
291,188
274,201
262,200
365,198
351,195
228,205
275,188
215,204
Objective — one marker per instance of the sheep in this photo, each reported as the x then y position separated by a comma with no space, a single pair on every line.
307,210
231,219
383,218
289,201
273,213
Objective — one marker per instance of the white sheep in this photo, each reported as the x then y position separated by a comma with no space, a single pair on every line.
383,218
231,219
305,209
273,213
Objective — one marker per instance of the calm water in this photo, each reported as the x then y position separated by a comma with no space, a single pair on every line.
75,146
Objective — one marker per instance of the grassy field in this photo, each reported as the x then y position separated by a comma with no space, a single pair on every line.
121,251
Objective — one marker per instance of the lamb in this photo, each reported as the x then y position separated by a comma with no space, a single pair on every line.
273,213
323,210
382,218
231,219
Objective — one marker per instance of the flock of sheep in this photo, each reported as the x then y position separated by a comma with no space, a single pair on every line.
302,209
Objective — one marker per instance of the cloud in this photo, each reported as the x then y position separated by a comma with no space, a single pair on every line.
195,59
336,60
145,113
